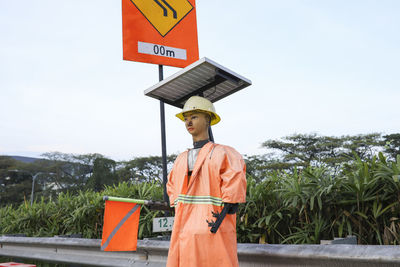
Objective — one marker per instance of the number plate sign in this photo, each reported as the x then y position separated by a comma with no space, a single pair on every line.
163,224
161,32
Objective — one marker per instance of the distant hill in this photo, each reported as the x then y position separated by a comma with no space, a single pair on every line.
24,159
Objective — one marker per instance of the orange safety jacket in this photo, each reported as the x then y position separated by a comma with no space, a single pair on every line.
219,176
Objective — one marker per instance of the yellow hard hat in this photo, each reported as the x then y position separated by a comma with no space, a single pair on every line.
201,104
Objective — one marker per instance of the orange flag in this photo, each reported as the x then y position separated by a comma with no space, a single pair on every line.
120,229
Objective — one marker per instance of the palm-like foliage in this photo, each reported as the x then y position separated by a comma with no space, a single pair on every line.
314,203
303,206
75,214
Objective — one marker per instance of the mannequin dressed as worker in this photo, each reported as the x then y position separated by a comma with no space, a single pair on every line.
203,181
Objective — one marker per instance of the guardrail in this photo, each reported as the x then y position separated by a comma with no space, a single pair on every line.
154,253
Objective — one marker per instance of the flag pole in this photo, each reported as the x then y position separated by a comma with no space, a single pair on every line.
129,200
153,205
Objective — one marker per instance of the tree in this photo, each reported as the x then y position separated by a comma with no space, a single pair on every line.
314,150
6,164
103,174
56,172
259,167
144,169
392,145
70,172
15,185
365,146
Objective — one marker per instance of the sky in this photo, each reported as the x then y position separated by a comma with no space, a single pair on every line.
326,67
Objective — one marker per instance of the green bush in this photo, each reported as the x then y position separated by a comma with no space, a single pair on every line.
297,207
307,205
76,214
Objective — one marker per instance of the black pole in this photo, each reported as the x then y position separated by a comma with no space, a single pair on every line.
163,141
210,134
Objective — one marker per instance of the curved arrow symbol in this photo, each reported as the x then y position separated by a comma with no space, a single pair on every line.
165,11
175,15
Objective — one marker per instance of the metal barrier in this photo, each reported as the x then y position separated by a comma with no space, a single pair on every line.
154,253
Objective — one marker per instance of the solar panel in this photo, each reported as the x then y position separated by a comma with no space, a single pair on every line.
203,77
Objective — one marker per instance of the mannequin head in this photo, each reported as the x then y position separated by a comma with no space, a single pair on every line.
197,124
200,104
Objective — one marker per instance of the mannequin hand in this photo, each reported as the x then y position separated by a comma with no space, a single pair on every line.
232,207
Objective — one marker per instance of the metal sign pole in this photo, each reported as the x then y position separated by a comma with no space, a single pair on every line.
163,139
210,134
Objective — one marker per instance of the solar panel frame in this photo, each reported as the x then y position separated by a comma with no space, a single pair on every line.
204,77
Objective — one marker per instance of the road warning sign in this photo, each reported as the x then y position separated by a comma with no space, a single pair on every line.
160,31
161,14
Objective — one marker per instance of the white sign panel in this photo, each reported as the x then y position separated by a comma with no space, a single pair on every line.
163,224
161,50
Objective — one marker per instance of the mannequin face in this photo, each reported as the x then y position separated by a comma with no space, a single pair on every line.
197,125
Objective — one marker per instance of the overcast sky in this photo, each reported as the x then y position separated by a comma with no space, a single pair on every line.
326,67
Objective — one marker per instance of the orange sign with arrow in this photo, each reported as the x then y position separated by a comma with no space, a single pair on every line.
161,32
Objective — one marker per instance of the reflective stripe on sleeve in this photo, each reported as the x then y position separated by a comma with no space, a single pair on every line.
188,199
